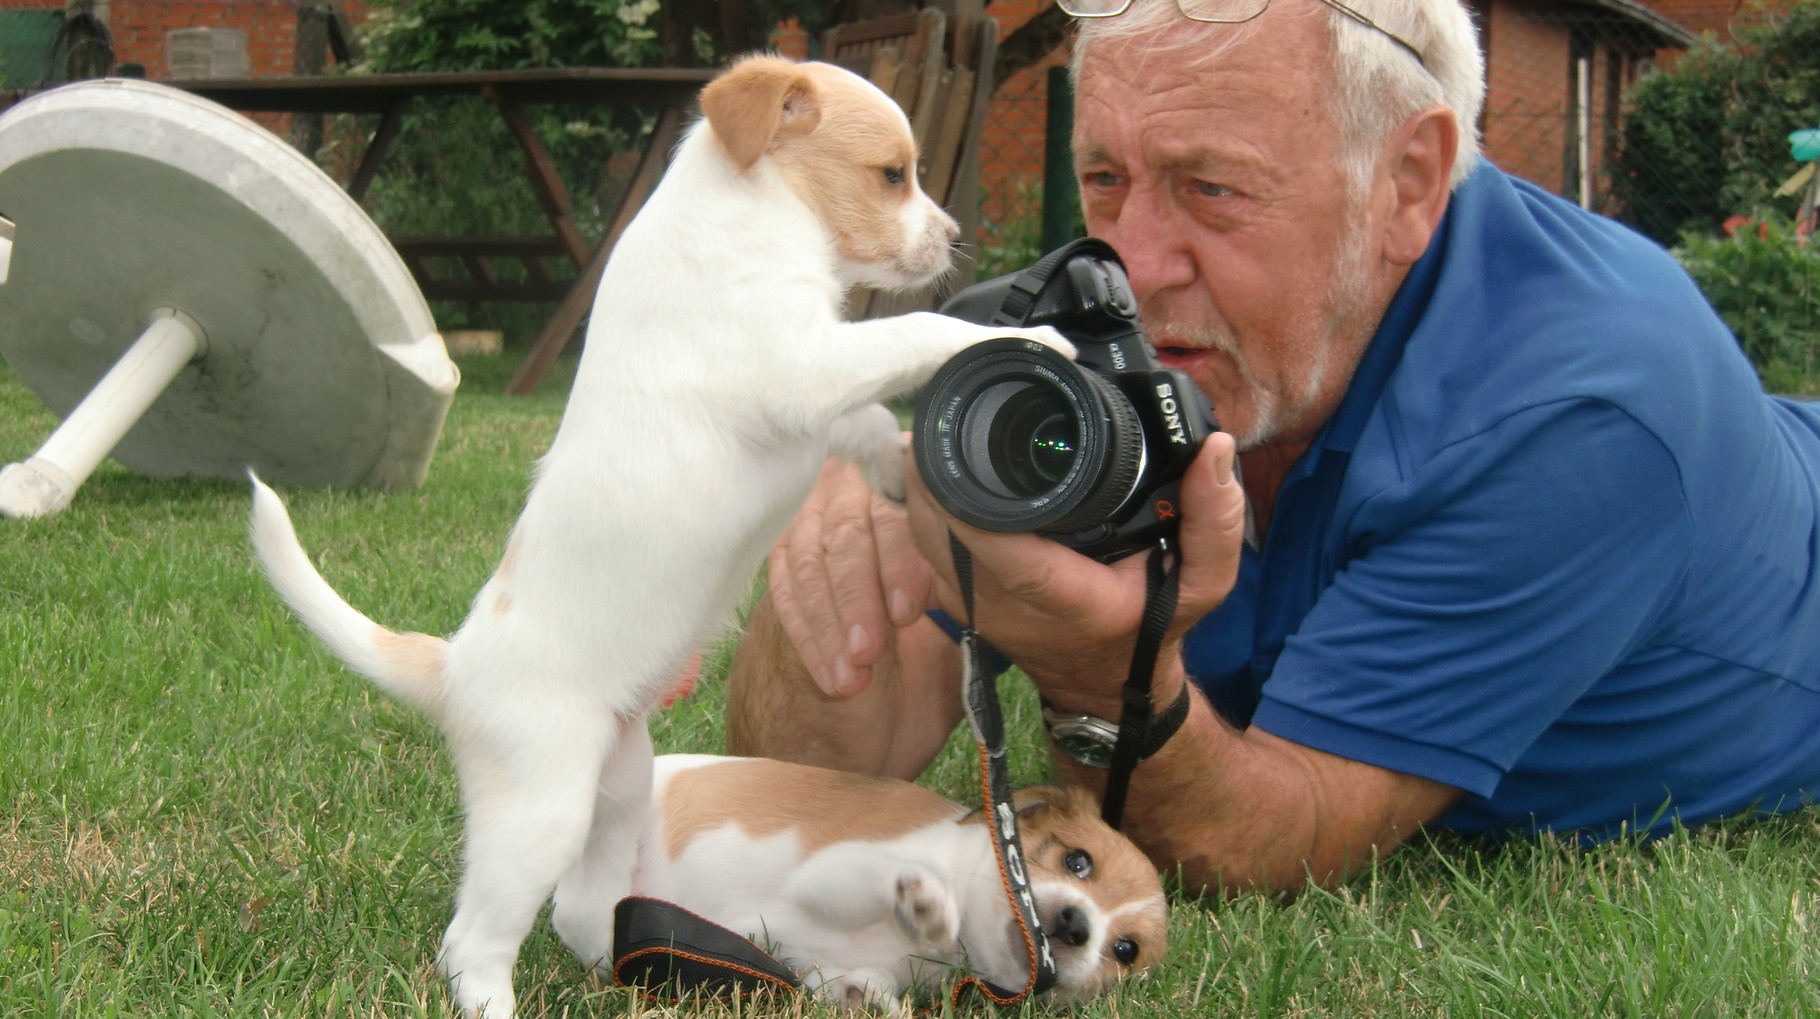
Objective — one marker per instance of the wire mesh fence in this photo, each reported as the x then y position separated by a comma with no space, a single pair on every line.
1562,82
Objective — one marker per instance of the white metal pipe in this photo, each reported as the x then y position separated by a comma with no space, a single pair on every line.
1583,127
6,246
46,482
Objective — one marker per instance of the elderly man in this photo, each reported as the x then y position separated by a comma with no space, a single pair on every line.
1521,545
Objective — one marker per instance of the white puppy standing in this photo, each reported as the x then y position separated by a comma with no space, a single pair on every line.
717,377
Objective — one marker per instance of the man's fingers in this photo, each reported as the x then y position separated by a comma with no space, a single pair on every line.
1213,528
801,589
850,556
904,575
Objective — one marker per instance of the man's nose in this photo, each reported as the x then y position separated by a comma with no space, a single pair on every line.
1148,235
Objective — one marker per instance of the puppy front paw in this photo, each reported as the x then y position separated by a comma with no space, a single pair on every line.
869,438
926,910
1047,336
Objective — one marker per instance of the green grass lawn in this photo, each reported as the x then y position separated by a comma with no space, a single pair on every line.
206,815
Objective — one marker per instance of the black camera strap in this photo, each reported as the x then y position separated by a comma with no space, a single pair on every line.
1162,582
980,687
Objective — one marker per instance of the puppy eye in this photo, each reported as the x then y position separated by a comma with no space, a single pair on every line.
1125,951
894,175
1078,863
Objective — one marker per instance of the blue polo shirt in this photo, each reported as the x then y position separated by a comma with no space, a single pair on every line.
1556,548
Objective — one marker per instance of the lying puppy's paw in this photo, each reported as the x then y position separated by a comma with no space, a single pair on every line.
926,909
863,990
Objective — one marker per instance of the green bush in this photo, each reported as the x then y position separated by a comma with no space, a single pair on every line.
1708,139
1764,281
455,170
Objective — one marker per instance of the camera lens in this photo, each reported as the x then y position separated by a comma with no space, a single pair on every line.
1033,441
1011,436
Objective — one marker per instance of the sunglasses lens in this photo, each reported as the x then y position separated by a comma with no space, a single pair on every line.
1093,8
1223,10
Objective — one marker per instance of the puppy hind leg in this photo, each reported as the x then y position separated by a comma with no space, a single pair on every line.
528,817
586,895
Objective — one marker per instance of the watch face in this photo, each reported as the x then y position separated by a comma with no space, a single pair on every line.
1084,745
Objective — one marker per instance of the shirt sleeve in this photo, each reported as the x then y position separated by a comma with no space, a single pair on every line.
1485,593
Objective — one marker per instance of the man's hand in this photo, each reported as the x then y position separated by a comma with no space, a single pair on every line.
1070,621
843,577
840,666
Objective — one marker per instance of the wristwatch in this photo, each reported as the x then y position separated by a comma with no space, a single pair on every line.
1089,740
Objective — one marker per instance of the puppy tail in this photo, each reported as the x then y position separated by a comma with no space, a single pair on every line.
409,666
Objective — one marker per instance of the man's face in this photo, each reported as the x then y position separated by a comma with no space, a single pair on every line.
1219,182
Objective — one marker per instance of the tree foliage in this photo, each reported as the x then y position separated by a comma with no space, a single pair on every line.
1708,139
470,35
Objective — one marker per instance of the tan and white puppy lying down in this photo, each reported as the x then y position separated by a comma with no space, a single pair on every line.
717,377
871,888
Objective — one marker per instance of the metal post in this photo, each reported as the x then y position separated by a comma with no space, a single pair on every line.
1061,197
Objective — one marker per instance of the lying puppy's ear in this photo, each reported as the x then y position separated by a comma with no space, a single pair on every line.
759,101
1036,799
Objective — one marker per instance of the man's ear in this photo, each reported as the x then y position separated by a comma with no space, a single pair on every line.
759,100
1420,156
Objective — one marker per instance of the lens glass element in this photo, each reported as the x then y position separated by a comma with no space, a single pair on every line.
1032,440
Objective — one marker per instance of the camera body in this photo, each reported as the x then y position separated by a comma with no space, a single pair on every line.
1011,436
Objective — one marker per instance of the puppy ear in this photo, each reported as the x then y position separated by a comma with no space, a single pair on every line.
759,101
1035,800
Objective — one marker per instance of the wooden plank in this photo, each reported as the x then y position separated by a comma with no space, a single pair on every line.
389,123
580,297
546,183
479,244
956,109
886,63
469,290
923,55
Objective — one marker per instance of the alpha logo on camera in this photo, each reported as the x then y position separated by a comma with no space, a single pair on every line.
1172,413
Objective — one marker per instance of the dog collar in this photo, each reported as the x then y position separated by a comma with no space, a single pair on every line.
1088,740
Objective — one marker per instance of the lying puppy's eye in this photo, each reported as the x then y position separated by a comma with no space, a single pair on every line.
1125,951
894,175
1078,863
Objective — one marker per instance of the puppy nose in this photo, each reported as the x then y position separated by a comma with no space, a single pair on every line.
1071,927
944,222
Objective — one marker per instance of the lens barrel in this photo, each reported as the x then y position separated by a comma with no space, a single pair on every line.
1012,436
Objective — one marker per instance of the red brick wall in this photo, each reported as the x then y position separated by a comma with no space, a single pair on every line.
139,28
1011,142
1526,91
1716,16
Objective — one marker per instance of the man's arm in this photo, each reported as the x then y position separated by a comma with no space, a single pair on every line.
1233,809
1238,810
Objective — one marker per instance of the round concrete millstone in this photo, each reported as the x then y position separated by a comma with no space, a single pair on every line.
322,364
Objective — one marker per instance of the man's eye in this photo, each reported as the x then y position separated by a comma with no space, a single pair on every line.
1208,189
1125,951
894,175
1078,863
1101,179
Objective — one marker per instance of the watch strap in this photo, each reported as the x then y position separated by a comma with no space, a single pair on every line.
1163,725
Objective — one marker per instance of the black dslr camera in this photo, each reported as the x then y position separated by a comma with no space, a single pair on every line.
1012,436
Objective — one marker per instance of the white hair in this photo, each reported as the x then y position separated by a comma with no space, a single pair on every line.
1377,84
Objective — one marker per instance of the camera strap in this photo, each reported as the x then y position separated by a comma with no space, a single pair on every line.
1162,582
980,687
